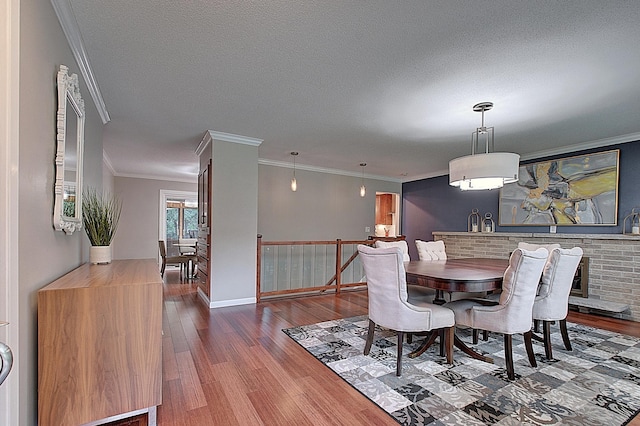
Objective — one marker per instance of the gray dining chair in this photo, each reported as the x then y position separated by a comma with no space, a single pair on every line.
533,247
389,304
552,299
431,250
402,245
187,249
190,252
513,312
416,292
181,261
552,302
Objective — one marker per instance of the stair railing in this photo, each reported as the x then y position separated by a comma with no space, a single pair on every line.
286,268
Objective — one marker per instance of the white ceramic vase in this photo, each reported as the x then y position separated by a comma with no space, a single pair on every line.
100,255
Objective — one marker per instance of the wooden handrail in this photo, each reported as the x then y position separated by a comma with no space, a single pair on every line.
299,243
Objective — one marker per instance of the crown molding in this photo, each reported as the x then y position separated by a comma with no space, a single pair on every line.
107,162
193,180
204,143
71,30
228,137
211,135
599,143
325,170
426,176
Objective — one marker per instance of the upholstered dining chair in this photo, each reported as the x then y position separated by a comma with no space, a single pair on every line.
180,261
431,250
533,247
552,302
496,296
513,312
389,305
416,292
187,249
402,245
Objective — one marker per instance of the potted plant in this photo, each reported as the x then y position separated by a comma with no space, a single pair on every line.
100,216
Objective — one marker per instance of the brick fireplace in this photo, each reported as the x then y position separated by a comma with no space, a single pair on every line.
611,270
580,286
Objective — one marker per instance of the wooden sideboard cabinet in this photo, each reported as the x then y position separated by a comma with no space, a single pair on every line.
100,344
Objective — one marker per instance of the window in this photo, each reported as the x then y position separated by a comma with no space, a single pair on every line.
182,222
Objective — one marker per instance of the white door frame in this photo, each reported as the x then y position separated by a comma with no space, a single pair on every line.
396,198
9,211
166,194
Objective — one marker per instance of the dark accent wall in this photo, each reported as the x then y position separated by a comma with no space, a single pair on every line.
430,205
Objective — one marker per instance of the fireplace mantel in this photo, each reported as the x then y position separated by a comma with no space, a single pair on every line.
613,258
546,235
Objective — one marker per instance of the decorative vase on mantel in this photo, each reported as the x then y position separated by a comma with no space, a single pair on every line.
100,255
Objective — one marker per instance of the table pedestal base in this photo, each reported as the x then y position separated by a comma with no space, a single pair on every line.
457,342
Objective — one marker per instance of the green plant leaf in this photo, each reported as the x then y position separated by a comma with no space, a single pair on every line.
100,216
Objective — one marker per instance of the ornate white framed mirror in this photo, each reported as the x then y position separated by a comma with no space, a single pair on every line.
67,208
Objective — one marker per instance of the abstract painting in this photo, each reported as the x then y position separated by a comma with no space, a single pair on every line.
580,190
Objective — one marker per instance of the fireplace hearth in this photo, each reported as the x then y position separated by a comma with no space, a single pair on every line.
580,286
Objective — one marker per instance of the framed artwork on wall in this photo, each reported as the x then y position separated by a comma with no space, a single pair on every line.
579,191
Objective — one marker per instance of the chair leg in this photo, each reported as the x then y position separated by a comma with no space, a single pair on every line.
441,336
399,360
449,334
546,336
529,345
162,269
409,338
476,333
367,346
536,325
508,356
565,334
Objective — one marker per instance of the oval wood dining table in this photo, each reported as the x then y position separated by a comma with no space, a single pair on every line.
191,264
469,275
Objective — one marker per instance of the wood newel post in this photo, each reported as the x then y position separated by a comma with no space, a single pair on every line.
259,256
338,264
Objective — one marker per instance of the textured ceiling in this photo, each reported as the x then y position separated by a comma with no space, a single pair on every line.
388,83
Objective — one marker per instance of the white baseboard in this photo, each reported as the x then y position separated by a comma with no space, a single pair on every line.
232,302
203,296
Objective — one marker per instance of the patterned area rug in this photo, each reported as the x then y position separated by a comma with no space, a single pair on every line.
598,383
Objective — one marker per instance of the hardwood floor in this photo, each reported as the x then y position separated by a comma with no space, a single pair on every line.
234,366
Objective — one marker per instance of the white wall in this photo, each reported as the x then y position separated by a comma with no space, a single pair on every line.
234,217
137,234
44,254
325,206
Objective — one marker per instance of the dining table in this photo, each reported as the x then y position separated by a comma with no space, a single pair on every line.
468,275
190,264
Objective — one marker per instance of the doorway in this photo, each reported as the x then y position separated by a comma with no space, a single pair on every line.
387,214
178,218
